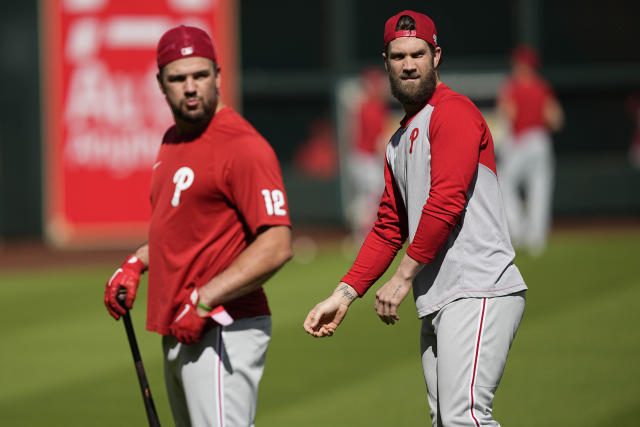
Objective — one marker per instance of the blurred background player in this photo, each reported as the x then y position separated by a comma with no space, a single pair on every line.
632,106
527,103
219,229
366,163
317,156
441,192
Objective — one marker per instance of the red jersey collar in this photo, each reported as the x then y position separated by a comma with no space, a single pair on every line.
406,120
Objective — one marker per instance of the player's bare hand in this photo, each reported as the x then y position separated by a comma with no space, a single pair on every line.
389,297
326,316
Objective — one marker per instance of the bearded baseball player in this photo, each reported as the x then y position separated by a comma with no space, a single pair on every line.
219,229
442,193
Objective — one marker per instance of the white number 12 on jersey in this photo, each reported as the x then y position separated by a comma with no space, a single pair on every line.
274,201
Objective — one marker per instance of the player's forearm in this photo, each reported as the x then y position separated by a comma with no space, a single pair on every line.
431,235
507,109
553,115
372,261
254,266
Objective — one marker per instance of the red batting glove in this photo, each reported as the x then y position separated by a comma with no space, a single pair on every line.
126,277
188,326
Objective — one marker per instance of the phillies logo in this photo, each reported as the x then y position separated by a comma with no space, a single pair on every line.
413,137
183,179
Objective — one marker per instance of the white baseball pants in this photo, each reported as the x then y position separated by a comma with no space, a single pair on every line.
367,179
214,383
464,349
528,163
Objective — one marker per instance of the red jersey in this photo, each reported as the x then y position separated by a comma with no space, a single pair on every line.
209,198
529,98
371,124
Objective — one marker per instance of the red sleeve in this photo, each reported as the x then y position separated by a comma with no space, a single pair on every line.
372,120
384,240
255,185
457,134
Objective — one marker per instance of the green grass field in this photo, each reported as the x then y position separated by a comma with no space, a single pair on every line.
65,362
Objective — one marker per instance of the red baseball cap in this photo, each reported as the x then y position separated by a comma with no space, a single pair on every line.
425,28
182,42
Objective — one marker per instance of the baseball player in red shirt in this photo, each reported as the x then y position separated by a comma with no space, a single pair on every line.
442,194
219,229
531,109
371,130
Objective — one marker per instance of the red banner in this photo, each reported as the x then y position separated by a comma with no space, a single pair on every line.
104,113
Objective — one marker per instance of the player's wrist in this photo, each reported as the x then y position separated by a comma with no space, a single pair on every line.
345,293
135,263
408,268
203,300
203,306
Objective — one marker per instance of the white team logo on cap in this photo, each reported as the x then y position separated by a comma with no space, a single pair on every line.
435,39
186,50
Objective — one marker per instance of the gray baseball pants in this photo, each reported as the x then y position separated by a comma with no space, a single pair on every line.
528,162
464,349
214,382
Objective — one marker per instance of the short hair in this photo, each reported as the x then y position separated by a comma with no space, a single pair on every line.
406,23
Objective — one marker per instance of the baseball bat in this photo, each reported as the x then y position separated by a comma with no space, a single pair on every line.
152,415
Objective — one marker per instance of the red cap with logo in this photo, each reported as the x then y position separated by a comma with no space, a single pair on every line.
182,42
425,28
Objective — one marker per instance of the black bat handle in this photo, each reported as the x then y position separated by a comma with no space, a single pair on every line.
150,408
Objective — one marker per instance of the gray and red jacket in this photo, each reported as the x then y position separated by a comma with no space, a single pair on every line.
442,193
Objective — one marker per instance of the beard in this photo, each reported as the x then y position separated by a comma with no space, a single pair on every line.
411,92
200,115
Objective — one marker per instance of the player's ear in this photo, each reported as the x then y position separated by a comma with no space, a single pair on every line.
218,80
159,80
437,54
384,59
216,75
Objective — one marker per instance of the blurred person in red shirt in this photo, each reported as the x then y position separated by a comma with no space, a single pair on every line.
531,109
317,156
371,132
633,108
